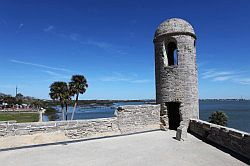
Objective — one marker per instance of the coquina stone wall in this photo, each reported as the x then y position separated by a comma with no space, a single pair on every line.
229,138
138,118
129,119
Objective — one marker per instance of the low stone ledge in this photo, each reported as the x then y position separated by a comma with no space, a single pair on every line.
235,140
91,125
129,119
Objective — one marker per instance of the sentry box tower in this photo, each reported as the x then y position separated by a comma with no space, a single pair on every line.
176,73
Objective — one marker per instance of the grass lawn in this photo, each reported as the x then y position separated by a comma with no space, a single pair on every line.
19,117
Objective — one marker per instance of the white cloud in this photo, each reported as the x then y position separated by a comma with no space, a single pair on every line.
39,65
222,78
52,73
49,28
212,73
74,36
243,81
115,77
4,22
105,46
77,38
56,75
239,77
99,44
140,81
19,28
119,77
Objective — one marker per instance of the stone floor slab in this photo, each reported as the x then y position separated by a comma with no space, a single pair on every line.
158,148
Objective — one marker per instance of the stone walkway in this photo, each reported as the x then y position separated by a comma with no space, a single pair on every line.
157,148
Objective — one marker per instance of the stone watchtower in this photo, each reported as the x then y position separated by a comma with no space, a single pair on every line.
176,73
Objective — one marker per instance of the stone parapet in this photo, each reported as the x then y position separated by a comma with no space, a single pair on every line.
73,129
129,119
235,140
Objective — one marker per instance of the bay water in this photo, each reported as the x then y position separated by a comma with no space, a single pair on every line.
238,112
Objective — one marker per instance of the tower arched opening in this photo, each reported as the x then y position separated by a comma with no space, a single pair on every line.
172,54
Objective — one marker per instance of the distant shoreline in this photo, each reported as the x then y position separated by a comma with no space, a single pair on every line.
146,101
150,100
224,99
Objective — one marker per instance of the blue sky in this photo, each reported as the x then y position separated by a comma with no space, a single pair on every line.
110,43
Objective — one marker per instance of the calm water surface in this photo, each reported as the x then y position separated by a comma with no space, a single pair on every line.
237,111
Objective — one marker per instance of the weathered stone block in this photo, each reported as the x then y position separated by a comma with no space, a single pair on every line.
206,126
22,132
3,133
236,133
181,133
236,144
246,145
224,132
39,124
61,123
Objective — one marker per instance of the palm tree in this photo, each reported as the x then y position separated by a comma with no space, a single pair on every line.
37,104
66,99
78,85
58,92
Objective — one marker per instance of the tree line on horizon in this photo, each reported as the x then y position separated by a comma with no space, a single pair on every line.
19,99
63,92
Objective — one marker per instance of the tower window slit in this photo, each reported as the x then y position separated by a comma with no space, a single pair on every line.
172,54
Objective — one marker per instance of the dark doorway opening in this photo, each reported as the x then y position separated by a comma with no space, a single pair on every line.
174,118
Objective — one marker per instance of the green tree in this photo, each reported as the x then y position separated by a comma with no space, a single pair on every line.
19,96
19,99
59,91
219,118
37,104
11,101
78,85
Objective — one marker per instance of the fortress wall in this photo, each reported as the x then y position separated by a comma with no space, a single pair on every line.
129,119
235,140
73,129
137,118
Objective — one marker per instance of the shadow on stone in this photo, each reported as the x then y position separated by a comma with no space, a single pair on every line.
230,152
175,138
74,141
